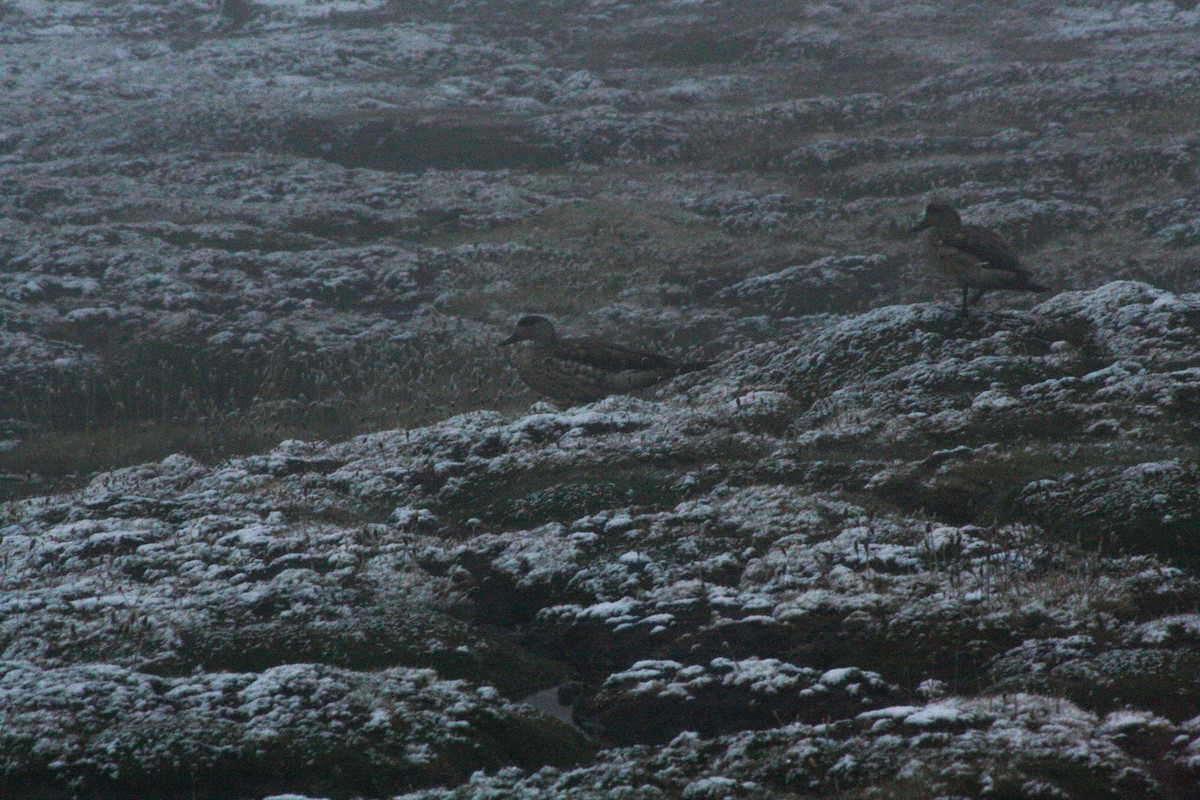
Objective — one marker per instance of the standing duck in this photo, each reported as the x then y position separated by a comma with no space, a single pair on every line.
974,256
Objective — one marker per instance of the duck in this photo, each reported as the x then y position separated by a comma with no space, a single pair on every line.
977,258
586,369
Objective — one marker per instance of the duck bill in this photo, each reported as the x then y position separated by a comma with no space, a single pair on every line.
920,226
510,340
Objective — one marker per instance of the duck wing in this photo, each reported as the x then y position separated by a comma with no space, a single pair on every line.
987,246
608,357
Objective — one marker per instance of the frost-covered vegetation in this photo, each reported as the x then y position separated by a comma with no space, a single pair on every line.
280,518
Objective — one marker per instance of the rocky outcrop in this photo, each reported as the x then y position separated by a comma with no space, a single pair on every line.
97,729
1019,744
784,540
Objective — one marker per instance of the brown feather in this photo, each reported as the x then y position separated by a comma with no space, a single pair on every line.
985,245
611,357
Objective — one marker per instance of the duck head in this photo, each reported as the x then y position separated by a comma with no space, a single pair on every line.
532,328
938,214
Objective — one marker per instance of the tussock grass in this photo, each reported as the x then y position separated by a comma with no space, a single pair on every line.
159,406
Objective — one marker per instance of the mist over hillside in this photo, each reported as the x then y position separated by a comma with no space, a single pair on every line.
279,517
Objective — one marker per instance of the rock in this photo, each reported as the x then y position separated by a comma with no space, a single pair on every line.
101,728
1149,508
956,746
1105,677
653,701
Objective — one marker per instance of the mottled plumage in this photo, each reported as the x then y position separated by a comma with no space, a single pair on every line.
586,369
975,257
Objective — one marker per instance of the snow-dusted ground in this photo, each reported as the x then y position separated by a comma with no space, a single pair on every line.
879,550
783,554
